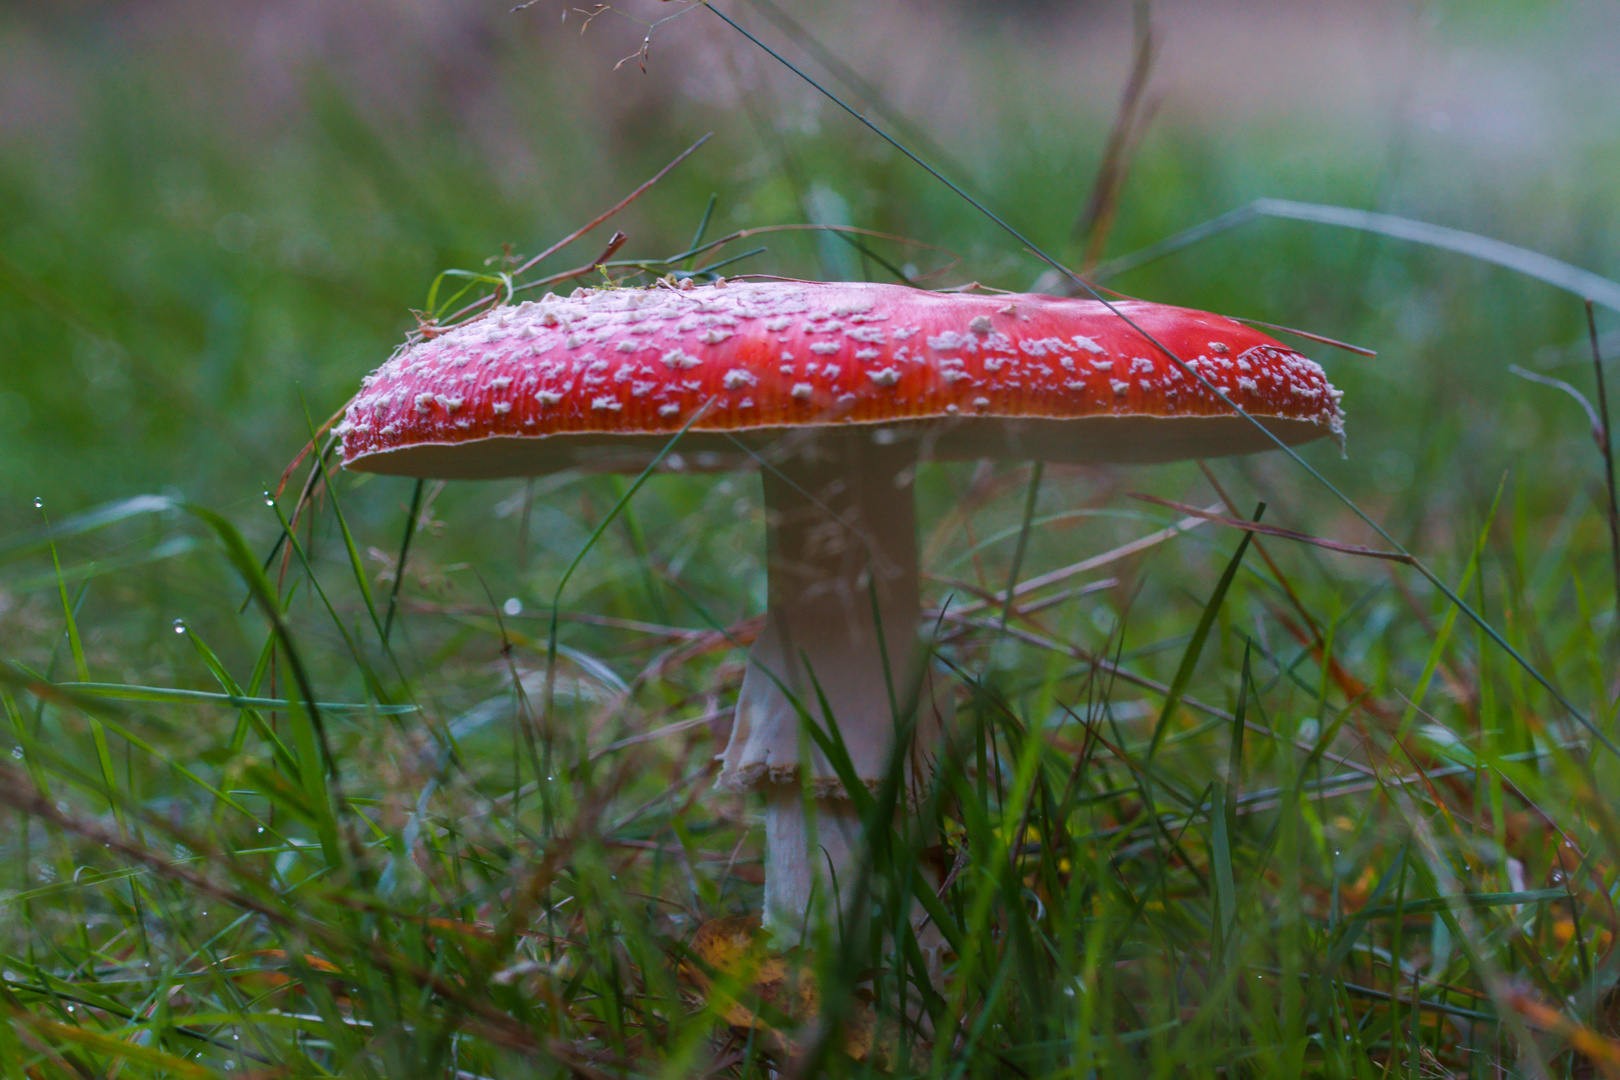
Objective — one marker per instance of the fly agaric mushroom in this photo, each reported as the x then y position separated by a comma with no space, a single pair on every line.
839,388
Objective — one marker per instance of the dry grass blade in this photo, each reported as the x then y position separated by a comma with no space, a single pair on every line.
1283,534
1602,1051
1130,123
1606,443
1085,566
1580,399
1555,272
1322,339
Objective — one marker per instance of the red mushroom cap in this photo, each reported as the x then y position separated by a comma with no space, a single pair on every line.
616,372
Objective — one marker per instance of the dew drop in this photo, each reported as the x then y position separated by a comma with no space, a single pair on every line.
39,503
261,828
17,752
269,499
179,626
513,606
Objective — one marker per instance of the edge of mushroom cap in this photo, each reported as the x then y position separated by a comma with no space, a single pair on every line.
1087,441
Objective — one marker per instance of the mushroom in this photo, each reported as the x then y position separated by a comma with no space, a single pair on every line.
839,389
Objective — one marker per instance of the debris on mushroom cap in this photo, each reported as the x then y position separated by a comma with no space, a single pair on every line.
606,365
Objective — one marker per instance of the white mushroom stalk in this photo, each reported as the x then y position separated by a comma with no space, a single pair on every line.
840,650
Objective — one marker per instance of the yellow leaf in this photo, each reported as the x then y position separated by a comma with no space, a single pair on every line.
747,985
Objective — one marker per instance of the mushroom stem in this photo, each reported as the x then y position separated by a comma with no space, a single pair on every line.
840,643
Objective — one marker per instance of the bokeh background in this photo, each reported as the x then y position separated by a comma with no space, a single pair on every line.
216,214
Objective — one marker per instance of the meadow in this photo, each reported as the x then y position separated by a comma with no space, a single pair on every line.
316,773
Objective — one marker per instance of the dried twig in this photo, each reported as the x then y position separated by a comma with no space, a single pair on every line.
1285,534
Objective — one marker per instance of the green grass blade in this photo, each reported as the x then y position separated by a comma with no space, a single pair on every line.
173,696
1195,646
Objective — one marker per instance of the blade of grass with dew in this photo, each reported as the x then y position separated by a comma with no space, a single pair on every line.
357,567
250,718
85,522
80,665
309,737
373,683
174,696
38,753
171,548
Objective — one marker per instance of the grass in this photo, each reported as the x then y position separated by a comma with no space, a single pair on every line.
415,781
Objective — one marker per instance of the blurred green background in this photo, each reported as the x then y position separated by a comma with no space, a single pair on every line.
215,213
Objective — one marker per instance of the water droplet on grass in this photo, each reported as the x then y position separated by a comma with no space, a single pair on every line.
269,499
39,503
514,606
179,626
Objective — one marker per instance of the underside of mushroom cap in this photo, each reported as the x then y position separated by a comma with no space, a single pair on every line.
607,377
